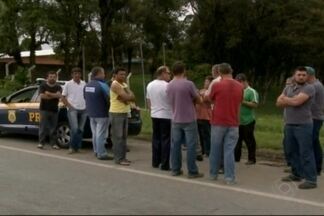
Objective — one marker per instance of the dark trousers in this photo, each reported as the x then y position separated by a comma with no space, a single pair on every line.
161,141
246,134
286,153
47,127
204,135
318,152
298,138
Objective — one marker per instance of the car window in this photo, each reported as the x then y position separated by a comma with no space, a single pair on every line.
23,97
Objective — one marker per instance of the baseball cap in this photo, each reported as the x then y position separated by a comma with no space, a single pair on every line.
310,70
241,77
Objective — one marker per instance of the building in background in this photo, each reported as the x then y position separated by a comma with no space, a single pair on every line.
46,60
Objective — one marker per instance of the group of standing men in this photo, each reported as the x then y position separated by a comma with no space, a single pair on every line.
180,112
222,114
103,105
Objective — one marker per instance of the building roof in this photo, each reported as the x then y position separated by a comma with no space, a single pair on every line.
47,52
44,57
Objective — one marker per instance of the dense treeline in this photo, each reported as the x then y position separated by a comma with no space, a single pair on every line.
263,38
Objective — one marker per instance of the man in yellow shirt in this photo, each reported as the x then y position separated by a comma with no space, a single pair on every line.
120,98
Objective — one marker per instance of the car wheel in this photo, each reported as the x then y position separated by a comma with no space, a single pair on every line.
63,135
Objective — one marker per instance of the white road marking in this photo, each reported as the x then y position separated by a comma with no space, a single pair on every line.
206,184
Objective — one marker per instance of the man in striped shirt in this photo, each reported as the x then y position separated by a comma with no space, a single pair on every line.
247,121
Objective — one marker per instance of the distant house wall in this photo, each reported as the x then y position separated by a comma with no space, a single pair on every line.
43,64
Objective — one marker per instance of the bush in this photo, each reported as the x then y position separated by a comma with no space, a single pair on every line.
20,79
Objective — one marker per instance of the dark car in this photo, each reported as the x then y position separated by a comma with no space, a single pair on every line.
19,114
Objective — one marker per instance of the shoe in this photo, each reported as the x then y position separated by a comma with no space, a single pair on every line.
55,147
176,173
213,178
78,151
221,171
196,175
40,146
165,169
307,185
318,173
71,151
106,157
123,163
291,178
250,163
199,158
127,149
230,182
287,170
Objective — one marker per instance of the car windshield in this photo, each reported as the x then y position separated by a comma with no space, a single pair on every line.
23,97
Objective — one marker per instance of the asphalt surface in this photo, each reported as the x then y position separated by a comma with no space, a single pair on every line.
34,181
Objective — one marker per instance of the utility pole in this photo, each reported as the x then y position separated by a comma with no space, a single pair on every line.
83,64
163,48
143,74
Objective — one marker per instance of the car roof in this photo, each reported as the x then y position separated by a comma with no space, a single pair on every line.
42,80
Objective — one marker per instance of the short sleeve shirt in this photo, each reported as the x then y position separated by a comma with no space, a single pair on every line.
299,114
247,114
181,94
227,96
318,105
49,104
74,94
156,93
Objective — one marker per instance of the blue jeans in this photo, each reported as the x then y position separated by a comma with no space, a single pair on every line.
77,120
223,138
318,152
187,132
298,138
99,129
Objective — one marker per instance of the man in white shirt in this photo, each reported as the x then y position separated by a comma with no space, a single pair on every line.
161,118
73,99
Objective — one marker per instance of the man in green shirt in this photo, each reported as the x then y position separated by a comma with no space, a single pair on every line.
247,121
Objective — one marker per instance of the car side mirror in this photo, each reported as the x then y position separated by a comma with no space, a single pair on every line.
4,100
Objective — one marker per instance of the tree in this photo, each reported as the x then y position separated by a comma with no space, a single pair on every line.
9,34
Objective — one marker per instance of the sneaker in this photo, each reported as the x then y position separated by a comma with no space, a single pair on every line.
56,147
250,163
123,163
196,175
230,182
176,173
213,178
287,170
71,151
199,158
221,171
291,178
307,185
40,146
78,151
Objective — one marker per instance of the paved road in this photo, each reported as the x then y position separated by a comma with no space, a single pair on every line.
34,181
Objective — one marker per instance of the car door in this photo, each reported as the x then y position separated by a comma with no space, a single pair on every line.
14,110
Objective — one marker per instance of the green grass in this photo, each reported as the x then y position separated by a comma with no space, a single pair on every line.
268,131
4,92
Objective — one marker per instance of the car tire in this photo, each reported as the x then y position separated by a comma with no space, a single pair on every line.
63,132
